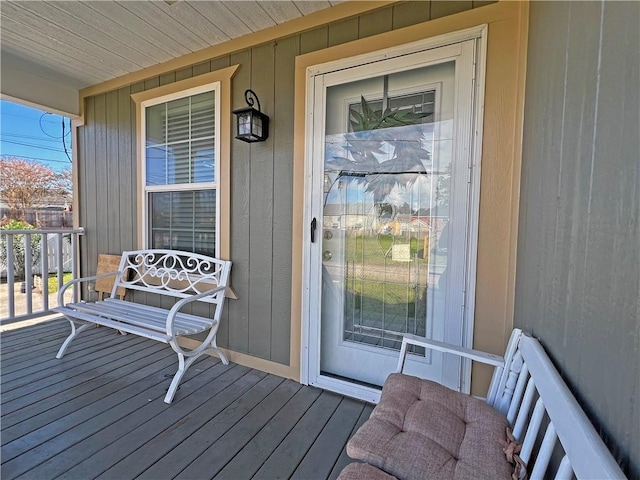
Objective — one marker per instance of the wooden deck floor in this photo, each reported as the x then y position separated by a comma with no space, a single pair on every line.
98,413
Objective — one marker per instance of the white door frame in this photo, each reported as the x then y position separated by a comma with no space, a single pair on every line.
479,34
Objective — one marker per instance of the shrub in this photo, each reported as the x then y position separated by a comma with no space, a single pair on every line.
19,264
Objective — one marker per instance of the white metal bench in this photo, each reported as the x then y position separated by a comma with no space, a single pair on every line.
553,436
187,276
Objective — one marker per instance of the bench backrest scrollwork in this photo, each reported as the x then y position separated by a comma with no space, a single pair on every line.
172,272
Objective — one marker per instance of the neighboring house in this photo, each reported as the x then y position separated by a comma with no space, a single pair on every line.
348,217
532,111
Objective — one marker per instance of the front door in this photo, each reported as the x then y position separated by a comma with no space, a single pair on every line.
390,216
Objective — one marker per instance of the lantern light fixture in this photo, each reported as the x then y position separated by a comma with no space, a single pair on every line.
252,124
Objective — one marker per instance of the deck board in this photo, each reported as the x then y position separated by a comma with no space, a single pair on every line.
35,343
330,441
17,345
233,432
246,392
31,330
11,338
27,370
284,460
66,402
26,358
251,457
98,448
99,413
26,397
344,460
60,434
76,372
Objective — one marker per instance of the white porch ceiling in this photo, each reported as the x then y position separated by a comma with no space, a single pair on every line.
75,44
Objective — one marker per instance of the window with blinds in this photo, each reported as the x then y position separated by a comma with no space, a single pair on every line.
180,173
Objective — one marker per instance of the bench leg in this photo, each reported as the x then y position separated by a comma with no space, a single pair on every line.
183,365
185,362
214,347
74,333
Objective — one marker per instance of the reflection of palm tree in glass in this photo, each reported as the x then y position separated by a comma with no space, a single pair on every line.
384,149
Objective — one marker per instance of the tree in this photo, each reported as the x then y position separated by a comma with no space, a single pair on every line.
64,182
24,184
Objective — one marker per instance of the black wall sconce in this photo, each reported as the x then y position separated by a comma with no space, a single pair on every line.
252,124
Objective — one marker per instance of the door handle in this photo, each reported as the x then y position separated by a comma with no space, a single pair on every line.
314,224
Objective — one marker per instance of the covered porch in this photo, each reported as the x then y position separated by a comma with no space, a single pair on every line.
557,228
98,413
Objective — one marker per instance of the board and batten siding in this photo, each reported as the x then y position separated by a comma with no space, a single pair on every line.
258,322
578,268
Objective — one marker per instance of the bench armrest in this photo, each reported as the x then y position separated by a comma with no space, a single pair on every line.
476,355
181,303
81,280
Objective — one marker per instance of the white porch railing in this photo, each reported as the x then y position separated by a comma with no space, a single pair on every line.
24,256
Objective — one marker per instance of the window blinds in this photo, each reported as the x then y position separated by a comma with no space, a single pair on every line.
180,137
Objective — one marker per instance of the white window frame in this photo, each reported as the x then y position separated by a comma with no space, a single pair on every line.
191,187
221,80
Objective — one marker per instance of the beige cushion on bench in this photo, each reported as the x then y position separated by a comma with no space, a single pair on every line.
421,429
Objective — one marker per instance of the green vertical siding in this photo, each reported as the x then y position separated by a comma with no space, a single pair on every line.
284,60
578,280
261,186
409,13
259,321
125,142
342,32
444,8
373,23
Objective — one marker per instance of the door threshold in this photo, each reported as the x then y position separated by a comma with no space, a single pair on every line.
358,390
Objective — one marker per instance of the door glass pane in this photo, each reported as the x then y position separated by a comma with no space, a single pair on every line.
387,169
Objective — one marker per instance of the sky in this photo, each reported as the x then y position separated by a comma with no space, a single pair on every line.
34,134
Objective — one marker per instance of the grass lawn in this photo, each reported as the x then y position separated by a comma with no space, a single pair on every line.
53,282
372,250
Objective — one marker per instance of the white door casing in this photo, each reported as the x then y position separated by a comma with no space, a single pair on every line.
324,349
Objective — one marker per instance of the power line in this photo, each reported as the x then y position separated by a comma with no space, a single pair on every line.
28,118
48,134
29,137
33,145
64,143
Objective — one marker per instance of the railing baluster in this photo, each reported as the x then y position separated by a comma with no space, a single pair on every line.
60,259
28,278
10,277
44,253
74,267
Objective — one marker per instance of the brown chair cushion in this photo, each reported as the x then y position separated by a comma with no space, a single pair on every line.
421,429
363,471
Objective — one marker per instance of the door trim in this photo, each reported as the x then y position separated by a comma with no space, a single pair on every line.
479,34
